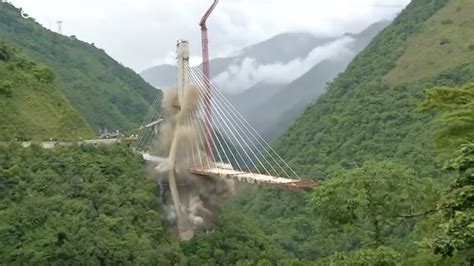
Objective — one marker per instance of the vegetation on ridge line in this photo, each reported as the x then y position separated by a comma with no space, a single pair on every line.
31,105
109,95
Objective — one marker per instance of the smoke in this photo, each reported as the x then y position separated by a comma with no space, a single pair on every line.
189,103
241,77
170,101
199,195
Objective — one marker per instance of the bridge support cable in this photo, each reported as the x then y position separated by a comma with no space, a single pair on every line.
265,153
260,140
221,123
226,113
230,128
137,145
219,138
197,121
221,114
225,117
200,137
265,147
196,147
199,140
147,138
146,134
229,114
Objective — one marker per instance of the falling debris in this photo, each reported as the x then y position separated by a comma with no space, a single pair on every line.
199,196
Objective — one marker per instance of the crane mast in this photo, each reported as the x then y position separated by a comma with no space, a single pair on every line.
206,78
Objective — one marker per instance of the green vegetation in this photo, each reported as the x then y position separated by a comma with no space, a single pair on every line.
78,205
106,93
395,157
95,205
457,120
31,105
456,234
365,118
379,256
361,117
364,198
236,239
445,36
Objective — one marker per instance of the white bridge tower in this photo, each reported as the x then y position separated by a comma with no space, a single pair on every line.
185,227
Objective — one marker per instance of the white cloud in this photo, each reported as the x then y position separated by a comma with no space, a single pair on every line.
139,32
241,77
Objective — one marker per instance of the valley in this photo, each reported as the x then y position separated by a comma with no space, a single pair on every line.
380,122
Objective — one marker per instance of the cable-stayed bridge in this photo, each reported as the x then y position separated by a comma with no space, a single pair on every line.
196,133
213,138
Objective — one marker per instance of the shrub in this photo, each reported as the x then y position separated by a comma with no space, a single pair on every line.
6,88
470,47
444,41
43,74
447,22
3,54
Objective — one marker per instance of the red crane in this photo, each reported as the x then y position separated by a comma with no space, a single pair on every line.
205,70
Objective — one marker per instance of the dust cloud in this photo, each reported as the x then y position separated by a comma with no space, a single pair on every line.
199,195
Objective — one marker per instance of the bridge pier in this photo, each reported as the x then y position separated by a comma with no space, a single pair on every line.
185,227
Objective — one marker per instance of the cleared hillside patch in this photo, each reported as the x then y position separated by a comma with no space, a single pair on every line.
449,35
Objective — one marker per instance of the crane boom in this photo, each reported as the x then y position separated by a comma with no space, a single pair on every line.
205,70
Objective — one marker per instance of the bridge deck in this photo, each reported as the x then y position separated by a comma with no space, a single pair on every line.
253,178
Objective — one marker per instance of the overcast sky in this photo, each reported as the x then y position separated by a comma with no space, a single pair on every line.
143,33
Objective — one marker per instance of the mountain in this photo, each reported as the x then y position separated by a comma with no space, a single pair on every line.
106,93
258,94
370,110
370,113
281,48
273,114
384,198
272,82
160,77
32,106
282,109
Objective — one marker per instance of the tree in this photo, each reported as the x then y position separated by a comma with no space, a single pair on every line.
456,122
457,229
456,236
79,205
375,201
236,240
381,256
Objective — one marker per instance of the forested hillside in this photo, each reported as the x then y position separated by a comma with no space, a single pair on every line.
78,205
280,109
391,142
106,93
31,105
362,117
97,205
367,129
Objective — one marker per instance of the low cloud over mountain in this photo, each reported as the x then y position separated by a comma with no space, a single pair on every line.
273,81
238,78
